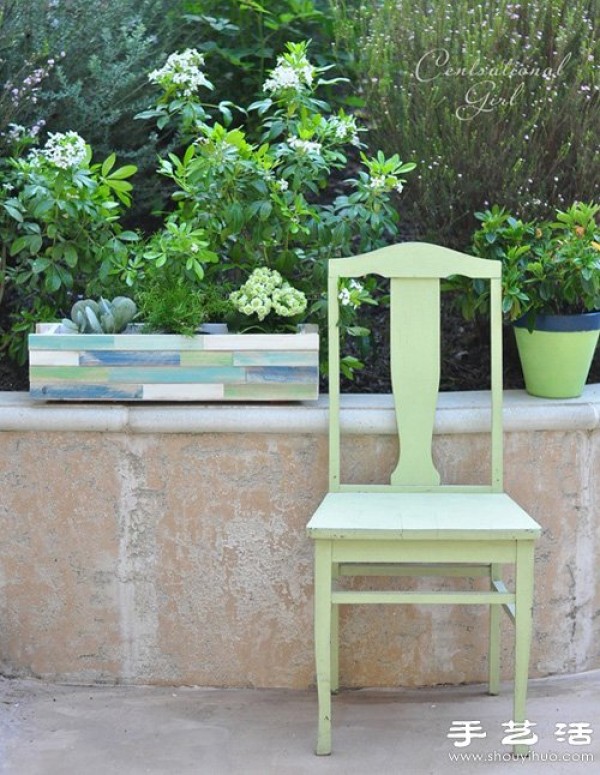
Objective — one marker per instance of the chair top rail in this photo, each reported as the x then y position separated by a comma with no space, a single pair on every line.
415,260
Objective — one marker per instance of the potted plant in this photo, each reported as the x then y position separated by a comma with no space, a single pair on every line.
551,292
95,356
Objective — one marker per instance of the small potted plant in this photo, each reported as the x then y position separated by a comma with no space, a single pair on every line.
551,292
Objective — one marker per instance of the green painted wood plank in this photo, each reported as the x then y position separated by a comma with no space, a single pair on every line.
415,371
271,392
206,358
93,374
117,374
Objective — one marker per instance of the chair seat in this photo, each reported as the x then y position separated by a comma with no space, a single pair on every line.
421,516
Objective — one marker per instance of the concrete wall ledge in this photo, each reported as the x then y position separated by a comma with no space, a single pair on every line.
460,412
167,543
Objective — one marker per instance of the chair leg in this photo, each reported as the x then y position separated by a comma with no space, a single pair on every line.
523,632
495,637
335,640
323,634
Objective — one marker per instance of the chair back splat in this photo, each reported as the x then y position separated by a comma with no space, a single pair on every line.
415,271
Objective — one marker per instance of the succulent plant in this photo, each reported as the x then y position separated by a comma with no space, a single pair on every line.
101,317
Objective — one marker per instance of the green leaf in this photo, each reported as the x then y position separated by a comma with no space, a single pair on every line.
108,164
35,243
18,245
70,256
123,172
119,185
40,264
13,212
53,280
265,210
42,207
129,236
358,331
225,112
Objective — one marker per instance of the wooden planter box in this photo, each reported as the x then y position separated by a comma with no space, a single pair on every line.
165,367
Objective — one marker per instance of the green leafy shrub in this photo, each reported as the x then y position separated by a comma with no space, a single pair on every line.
549,267
499,102
60,231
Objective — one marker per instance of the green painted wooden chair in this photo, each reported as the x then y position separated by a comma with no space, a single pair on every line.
416,526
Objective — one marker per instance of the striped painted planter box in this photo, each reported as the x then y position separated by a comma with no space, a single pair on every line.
165,367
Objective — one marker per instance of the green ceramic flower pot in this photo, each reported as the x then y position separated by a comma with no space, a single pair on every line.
556,356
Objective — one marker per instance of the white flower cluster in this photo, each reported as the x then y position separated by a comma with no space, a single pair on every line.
304,146
266,291
182,72
386,183
286,76
64,149
350,296
343,129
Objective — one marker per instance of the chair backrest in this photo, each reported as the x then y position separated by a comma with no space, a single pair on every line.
415,270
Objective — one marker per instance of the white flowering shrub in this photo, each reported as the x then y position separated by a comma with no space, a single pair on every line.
352,294
261,195
180,79
64,149
293,73
59,222
181,74
264,293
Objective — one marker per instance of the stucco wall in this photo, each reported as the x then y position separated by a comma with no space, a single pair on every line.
167,544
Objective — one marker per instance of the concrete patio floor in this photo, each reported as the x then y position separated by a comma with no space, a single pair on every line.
47,729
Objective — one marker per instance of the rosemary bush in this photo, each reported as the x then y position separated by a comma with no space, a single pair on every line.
498,102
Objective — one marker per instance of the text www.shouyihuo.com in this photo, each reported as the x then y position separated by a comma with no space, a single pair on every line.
534,756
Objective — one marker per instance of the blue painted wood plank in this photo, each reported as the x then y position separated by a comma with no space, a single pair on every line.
85,392
129,358
281,374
